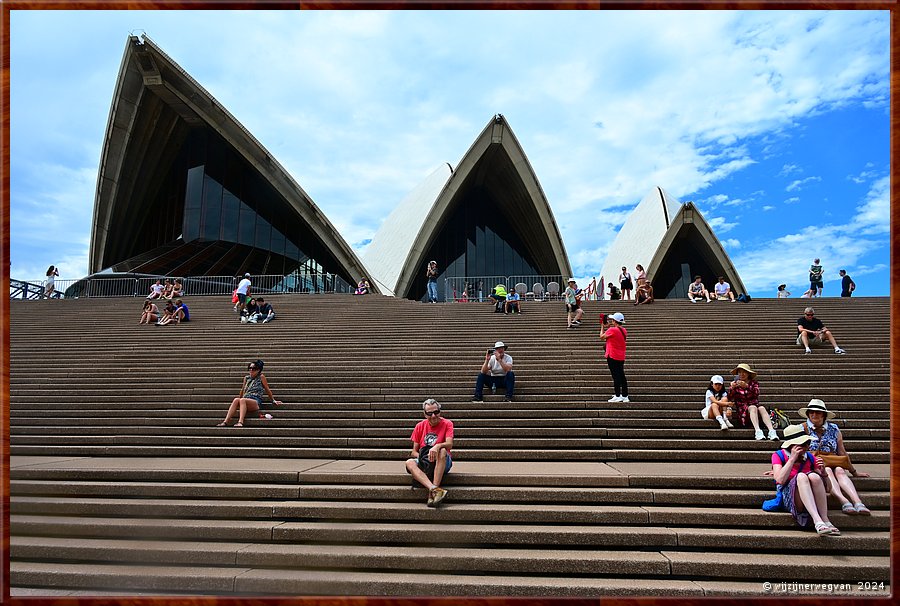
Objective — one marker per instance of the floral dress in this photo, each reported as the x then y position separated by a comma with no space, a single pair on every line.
828,441
742,397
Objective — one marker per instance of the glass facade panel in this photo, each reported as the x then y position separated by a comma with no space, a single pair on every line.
211,219
231,209
192,204
476,241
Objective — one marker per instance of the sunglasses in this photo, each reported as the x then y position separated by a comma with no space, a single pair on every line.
433,412
809,315
252,368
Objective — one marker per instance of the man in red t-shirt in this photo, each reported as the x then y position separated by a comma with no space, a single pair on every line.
432,440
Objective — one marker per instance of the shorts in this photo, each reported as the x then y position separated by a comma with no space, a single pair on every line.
817,339
258,400
626,285
816,284
572,307
446,469
243,299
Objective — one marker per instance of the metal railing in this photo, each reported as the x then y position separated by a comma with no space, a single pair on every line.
464,289
140,286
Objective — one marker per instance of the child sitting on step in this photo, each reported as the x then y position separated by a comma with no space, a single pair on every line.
716,404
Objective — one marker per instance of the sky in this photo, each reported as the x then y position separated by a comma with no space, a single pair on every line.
774,123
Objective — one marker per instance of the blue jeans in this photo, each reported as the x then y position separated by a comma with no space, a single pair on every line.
508,381
432,291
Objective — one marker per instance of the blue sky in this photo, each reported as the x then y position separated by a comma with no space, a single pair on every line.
775,123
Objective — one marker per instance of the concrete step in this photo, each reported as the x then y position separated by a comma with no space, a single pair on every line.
221,581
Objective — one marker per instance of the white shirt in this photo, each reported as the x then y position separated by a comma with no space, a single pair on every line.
722,287
244,286
494,365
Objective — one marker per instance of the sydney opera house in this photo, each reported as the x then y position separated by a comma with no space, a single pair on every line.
184,189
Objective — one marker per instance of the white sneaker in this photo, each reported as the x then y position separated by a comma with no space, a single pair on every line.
693,300
838,350
624,399
723,426
808,350
773,435
758,435
615,399
728,423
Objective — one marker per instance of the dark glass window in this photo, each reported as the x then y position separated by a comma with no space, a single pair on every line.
192,204
211,223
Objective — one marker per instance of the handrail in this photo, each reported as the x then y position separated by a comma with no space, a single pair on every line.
139,286
465,289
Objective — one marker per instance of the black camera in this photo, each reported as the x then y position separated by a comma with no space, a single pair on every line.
491,350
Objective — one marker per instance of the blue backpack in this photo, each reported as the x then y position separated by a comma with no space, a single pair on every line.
777,502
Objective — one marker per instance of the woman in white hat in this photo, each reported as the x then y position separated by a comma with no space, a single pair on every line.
745,395
717,405
826,439
802,475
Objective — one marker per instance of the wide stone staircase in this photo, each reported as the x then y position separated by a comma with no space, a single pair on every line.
121,483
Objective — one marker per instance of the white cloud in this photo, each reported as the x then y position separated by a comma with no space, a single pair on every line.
767,207
799,183
360,105
720,225
787,258
792,200
731,243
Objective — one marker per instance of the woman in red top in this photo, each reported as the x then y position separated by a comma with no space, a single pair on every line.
802,475
612,332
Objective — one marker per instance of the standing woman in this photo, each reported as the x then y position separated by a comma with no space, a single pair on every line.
49,285
745,396
827,440
626,284
804,482
252,391
431,274
615,336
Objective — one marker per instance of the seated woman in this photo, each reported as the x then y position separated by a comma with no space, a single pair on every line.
168,289
803,480
167,315
177,288
252,391
716,404
512,302
644,293
150,313
826,439
744,394
156,290
362,287
251,312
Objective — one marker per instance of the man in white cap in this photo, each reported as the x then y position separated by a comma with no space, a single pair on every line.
243,293
612,331
496,372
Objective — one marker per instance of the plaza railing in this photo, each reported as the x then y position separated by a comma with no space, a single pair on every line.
140,286
463,289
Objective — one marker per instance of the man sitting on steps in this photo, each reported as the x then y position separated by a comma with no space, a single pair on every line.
430,459
811,327
496,372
